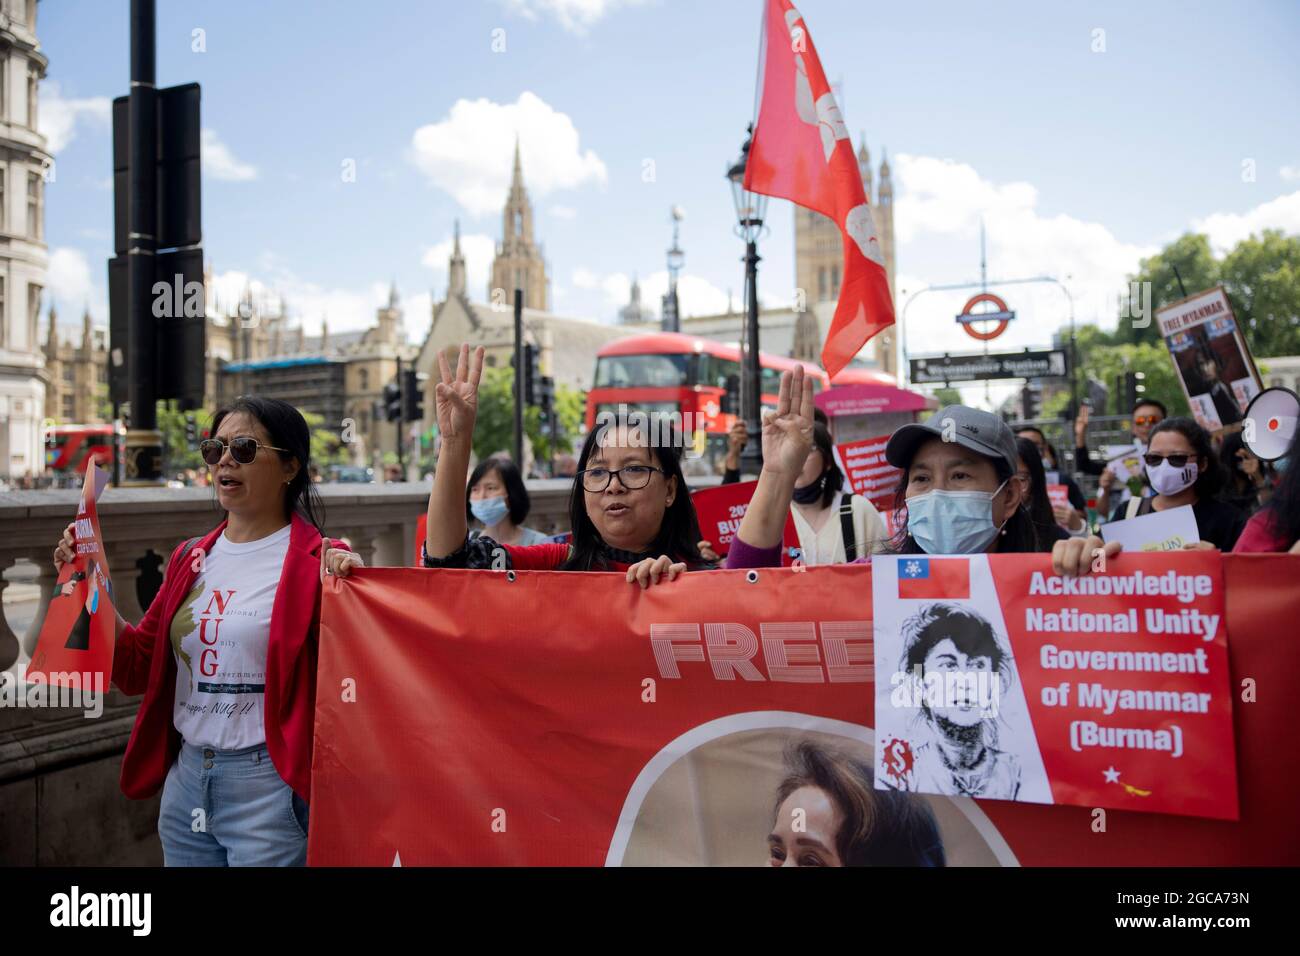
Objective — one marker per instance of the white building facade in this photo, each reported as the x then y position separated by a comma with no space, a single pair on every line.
25,166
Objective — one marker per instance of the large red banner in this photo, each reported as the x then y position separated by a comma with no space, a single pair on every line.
687,723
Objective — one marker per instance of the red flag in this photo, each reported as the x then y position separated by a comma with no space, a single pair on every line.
801,152
933,578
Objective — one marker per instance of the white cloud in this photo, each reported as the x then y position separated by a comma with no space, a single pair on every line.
575,16
59,118
941,198
1289,173
220,163
1226,229
71,287
563,212
478,250
470,153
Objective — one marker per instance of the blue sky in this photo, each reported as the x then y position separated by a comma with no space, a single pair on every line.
1081,150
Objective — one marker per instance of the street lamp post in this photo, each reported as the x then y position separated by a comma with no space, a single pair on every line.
750,209
676,258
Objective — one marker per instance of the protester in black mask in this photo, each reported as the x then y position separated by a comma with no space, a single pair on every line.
834,525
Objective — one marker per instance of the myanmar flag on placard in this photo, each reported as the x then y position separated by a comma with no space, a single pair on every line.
933,578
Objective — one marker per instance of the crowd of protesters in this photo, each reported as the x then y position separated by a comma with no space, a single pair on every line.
969,485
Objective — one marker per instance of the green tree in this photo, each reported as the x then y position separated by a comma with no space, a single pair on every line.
494,427
1108,362
947,396
327,446
177,453
568,413
1190,254
1262,277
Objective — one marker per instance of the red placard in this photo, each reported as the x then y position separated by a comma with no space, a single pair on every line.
720,511
867,472
75,648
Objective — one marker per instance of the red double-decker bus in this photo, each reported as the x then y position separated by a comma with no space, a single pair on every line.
68,447
669,372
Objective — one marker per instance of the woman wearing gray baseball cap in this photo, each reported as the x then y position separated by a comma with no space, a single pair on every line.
959,492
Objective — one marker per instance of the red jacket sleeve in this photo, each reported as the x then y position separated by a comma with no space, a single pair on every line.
1260,534
133,652
537,557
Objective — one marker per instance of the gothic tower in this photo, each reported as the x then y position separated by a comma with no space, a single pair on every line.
819,259
23,256
456,267
519,263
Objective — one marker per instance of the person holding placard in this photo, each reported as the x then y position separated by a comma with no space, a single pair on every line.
1183,469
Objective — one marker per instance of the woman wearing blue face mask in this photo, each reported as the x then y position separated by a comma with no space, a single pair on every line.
960,492
496,498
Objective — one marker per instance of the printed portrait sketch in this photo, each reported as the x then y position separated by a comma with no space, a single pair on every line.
953,673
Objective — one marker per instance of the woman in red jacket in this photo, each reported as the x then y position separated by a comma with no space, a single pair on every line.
226,654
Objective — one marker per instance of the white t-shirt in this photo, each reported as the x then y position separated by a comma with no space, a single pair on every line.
219,636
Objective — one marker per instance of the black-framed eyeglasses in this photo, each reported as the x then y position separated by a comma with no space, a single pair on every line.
243,449
1153,461
632,477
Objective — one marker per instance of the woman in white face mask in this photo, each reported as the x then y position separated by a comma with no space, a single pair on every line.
1183,469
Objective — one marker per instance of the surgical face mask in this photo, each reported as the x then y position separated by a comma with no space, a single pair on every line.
1168,480
1047,465
953,522
490,511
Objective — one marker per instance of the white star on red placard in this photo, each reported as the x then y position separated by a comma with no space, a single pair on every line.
1111,774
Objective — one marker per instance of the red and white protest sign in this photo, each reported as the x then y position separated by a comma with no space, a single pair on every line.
999,679
1059,496
867,472
623,726
720,511
77,637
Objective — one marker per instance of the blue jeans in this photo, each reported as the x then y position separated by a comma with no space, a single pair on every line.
230,808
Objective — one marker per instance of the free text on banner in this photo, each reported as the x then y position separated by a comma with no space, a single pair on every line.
608,725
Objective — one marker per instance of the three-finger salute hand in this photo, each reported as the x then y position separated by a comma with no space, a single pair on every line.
788,432
456,396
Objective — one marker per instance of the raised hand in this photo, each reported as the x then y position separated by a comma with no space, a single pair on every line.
788,432
1080,425
456,396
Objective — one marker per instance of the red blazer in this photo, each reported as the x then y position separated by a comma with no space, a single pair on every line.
143,662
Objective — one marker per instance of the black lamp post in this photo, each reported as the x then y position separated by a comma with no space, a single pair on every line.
750,209
676,259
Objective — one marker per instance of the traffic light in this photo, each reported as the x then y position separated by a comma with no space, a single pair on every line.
532,375
392,402
1029,403
412,396
191,432
547,397
1133,389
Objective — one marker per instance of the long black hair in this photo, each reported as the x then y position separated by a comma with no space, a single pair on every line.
1211,477
679,534
287,429
1283,509
517,500
1038,504
1018,535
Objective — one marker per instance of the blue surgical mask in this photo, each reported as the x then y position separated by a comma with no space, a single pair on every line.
953,522
490,511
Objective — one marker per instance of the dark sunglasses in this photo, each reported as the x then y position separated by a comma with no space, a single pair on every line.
242,449
1154,461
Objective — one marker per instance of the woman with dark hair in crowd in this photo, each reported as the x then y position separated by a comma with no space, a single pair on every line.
495,496
630,508
1248,486
845,821
1276,526
1038,504
225,725
959,492
1072,513
834,526
1183,469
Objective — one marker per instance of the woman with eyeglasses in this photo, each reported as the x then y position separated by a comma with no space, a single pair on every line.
226,654
1183,469
630,509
